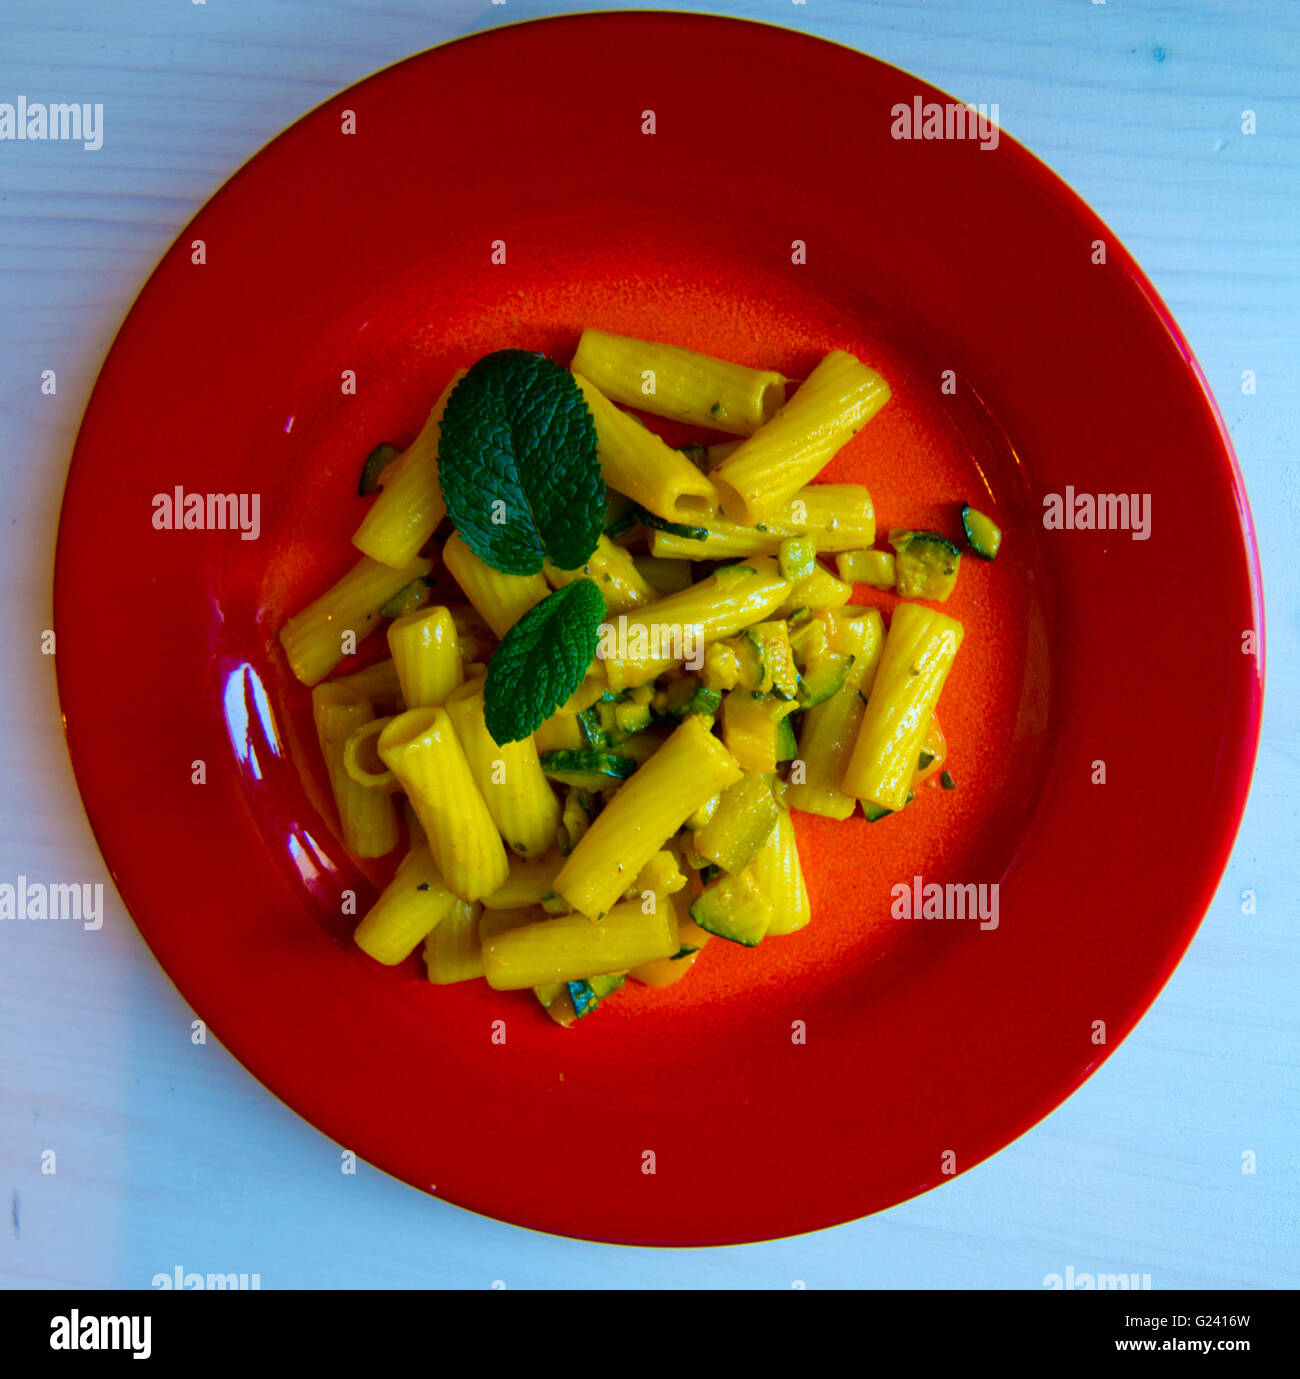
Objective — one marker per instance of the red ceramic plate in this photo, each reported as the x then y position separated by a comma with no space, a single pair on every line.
824,1075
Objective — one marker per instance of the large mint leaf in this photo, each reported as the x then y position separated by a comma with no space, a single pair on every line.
542,660
518,466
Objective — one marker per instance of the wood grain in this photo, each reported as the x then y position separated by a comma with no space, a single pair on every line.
168,1152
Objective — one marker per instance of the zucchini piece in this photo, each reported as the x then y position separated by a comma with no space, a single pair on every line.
586,995
655,523
734,908
873,568
822,679
407,600
777,674
809,639
632,718
557,1002
621,525
580,808
983,535
926,566
587,769
741,824
787,747
589,725
796,557
721,667
703,814
750,728
685,697
375,463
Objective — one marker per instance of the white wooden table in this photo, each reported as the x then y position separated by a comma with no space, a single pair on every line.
169,1153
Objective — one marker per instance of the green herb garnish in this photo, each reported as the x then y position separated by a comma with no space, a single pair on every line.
541,660
947,781
518,467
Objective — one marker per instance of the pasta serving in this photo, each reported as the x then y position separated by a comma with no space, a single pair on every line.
592,734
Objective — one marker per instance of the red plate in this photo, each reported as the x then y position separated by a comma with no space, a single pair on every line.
825,1075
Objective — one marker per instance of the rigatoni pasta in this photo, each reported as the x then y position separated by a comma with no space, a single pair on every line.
426,656
422,750
509,777
368,817
839,517
669,381
838,399
404,515
500,599
919,652
314,640
643,815
636,462
590,795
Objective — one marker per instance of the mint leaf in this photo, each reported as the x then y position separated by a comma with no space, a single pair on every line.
542,660
518,466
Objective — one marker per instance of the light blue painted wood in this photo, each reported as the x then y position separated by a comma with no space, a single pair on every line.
171,1154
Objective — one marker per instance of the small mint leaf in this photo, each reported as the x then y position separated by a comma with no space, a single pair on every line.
541,660
518,466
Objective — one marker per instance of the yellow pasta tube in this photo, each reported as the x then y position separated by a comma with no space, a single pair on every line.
422,750
522,804
638,647
831,727
408,908
529,883
919,652
642,815
313,639
368,817
613,572
453,951
669,381
402,518
638,463
378,683
777,873
569,948
501,599
838,399
839,517
359,757
426,653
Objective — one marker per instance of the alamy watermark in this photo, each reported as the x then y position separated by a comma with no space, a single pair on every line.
82,901
73,123
953,120
918,899
651,642
1071,511
181,511
178,1279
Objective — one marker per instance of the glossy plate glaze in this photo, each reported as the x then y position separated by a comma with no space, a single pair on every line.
824,1075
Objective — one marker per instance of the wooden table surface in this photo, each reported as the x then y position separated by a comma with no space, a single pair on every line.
167,1153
